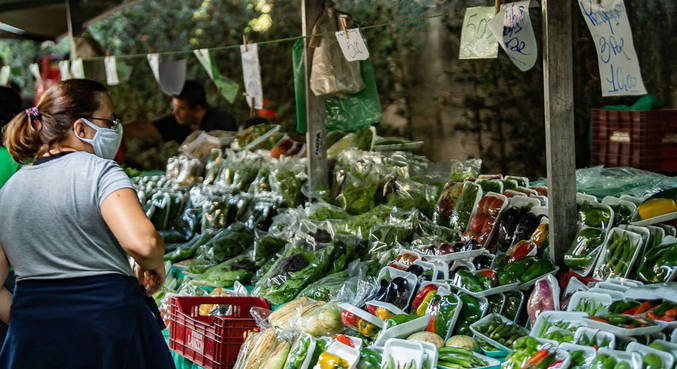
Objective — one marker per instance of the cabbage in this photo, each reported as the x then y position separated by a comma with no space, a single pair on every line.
464,342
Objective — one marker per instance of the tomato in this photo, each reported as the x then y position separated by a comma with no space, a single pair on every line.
476,223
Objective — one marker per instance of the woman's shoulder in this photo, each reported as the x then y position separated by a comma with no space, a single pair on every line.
93,162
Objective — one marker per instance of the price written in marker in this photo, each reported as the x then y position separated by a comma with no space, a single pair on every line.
512,27
353,46
618,64
477,41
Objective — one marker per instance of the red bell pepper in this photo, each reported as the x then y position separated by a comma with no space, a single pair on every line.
433,309
420,296
521,250
344,340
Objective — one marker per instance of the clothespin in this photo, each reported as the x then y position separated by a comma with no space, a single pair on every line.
344,25
252,110
244,41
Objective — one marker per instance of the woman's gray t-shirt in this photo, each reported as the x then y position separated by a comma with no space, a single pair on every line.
50,220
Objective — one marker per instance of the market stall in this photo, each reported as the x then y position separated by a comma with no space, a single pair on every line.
400,254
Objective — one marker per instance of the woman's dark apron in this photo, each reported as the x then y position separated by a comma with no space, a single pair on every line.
93,322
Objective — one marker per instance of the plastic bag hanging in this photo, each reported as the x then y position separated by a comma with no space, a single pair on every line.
331,73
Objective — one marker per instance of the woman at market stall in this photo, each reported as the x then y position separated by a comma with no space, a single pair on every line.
70,220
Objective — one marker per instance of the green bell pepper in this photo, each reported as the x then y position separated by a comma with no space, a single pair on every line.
537,269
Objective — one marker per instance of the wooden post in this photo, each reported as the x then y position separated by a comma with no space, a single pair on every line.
316,135
72,6
559,124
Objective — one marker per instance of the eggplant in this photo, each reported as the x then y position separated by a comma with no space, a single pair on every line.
526,227
417,270
507,225
483,261
398,292
382,291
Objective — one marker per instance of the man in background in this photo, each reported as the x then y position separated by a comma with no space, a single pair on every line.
191,112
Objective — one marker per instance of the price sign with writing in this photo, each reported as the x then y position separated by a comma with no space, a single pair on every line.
618,65
251,71
477,41
512,27
353,46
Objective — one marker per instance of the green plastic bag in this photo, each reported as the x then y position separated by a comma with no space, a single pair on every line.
355,112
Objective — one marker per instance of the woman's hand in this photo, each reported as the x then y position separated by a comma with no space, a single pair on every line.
152,280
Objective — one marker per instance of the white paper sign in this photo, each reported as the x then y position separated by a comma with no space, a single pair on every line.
202,55
353,46
77,69
477,41
512,25
35,70
65,69
618,65
4,75
111,70
154,62
251,71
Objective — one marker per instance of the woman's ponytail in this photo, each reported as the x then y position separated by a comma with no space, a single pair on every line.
21,137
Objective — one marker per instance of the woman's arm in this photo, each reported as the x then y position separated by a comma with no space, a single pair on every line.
126,219
5,295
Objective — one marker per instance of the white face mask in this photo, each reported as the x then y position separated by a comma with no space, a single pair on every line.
106,141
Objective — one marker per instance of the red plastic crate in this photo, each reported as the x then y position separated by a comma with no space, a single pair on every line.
212,342
639,139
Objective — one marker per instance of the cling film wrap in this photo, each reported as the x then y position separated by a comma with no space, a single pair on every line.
287,176
461,171
659,265
225,244
544,297
298,265
323,321
584,250
409,194
601,182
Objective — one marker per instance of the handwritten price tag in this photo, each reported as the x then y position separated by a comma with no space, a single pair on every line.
618,65
353,46
512,26
477,41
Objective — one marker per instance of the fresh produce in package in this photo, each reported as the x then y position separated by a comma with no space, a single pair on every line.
499,329
483,220
544,297
659,264
529,354
596,216
584,250
618,255
464,206
459,358
443,311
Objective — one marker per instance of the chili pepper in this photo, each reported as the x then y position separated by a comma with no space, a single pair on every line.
398,319
420,311
556,365
421,295
433,311
344,340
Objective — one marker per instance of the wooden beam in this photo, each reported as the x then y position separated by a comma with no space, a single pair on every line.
559,124
316,134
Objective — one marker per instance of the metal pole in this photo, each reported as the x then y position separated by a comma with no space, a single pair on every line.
316,133
559,124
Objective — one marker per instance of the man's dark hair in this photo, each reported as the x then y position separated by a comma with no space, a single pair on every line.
193,94
10,104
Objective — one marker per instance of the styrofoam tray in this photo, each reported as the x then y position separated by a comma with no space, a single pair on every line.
612,201
603,299
487,319
642,231
478,196
673,337
619,331
388,306
443,288
605,227
362,314
541,210
345,352
669,230
426,265
402,352
635,240
448,258
442,266
633,359
589,352
613,286
309,354
671,346
491,362
490,291
555,316
514,193
595,334
541,199
519,307
583,197
666,357
615,294
429,353
403,330
632,199
527,191
520,202
454,318
659,219
524,180
501,296
657,231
